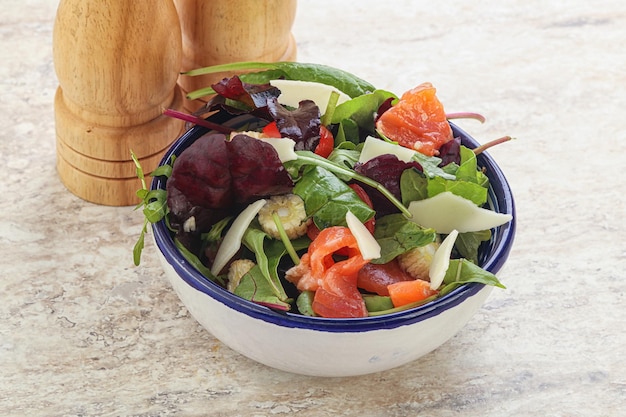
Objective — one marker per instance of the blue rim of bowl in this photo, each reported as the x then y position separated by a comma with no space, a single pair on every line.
499,247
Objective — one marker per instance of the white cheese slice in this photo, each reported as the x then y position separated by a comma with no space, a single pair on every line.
369,247
446,212
284,147
441,260
232,240
292,92
373,148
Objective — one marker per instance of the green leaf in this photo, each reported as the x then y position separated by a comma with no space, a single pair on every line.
342,80
347,131
469,190
267,256
154,203
377,303
162,171
462,271
396,235
196,263
430,165
255,287
362,109
304,303
467,244
327,198
138,248
413,186
346,157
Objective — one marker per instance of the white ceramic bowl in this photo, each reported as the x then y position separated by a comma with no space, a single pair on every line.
334,347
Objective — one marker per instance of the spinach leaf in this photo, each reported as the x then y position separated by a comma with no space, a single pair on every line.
396,235
346,157
340,79
467,244
255,287
347,132
362,109
430,166
327,198
307,158
413,186
469,190
468,182
462,271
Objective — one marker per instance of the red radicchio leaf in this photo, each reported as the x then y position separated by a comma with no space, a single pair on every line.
213,175
302,124
386,105
385,169
256,169
200,176
252,95
450,152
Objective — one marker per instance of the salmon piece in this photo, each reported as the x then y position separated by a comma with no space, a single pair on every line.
334,283
417,121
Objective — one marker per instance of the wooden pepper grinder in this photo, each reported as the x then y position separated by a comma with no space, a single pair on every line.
117,64
224,31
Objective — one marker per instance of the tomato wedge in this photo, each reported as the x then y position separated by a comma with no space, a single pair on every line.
371,223
417,121
326,143
376,277
271,130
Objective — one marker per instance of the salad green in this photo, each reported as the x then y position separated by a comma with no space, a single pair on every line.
210,193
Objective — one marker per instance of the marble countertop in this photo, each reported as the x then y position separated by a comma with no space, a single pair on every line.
83,332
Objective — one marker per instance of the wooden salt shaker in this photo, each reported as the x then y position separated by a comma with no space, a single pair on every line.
224,31
117,64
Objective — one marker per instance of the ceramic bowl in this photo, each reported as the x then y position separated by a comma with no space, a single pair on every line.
334,347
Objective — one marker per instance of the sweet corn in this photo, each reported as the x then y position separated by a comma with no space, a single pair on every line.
290,210
416,262
237,270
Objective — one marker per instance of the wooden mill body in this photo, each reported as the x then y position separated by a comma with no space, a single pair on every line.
118,66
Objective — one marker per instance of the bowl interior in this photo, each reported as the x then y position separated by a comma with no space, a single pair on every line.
492,255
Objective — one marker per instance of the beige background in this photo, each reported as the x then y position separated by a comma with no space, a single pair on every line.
83,332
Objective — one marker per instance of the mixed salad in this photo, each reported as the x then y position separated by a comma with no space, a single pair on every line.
317,193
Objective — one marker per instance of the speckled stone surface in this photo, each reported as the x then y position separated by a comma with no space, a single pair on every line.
85,333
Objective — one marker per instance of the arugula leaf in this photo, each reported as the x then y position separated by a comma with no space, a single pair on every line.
396,235
154,203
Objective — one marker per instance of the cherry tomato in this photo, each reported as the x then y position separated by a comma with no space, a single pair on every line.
326,144
271,130
371,223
